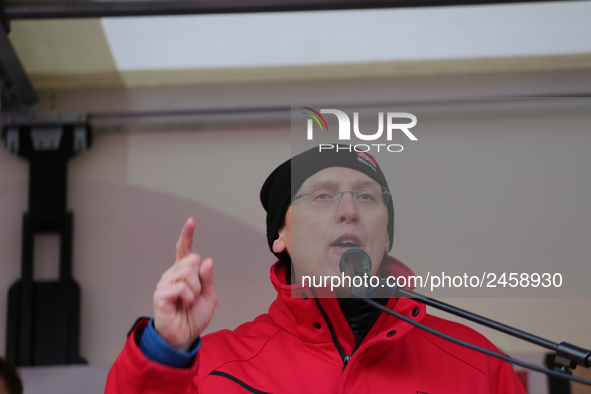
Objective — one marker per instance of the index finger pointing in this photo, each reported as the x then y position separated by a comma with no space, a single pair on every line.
184,246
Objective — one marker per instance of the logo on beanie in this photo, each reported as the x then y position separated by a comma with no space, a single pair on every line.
393,124
367,159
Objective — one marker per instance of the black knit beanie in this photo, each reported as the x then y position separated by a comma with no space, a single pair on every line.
282,185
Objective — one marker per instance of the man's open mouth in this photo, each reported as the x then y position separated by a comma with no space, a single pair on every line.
347,242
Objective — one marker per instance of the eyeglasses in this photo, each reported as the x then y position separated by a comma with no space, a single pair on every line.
369,199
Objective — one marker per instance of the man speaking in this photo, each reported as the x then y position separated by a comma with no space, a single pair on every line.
319,205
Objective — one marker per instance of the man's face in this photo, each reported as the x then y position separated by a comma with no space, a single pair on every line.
316,240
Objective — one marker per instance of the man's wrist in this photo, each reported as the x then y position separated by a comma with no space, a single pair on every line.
157,349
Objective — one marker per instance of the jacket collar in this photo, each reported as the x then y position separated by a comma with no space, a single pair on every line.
298,312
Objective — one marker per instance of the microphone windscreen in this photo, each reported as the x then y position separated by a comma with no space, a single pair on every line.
355,262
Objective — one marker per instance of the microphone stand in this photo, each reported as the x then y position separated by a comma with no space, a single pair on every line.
567,356
355,262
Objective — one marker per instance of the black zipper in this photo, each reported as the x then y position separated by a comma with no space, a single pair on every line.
240,382
333,335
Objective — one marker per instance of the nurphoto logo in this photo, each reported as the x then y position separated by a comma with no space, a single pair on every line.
393,125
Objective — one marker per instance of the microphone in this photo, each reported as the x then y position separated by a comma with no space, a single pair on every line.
355,262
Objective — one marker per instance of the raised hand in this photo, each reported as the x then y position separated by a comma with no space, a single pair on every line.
185,296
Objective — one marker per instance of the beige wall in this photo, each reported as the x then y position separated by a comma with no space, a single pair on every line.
133,190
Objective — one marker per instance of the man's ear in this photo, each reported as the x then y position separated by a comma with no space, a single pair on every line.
283,242
279,245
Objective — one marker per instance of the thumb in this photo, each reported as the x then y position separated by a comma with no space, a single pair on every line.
206,278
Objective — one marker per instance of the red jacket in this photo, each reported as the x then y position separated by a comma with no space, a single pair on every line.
300,347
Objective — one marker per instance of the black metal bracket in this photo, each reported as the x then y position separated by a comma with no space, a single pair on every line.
44,316
556,385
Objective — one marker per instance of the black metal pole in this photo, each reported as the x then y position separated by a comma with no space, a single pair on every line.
561,374
568,355
477,319
100,9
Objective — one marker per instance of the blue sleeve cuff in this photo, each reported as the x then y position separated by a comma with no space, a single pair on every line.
156,349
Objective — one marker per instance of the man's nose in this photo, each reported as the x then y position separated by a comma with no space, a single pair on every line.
347,210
